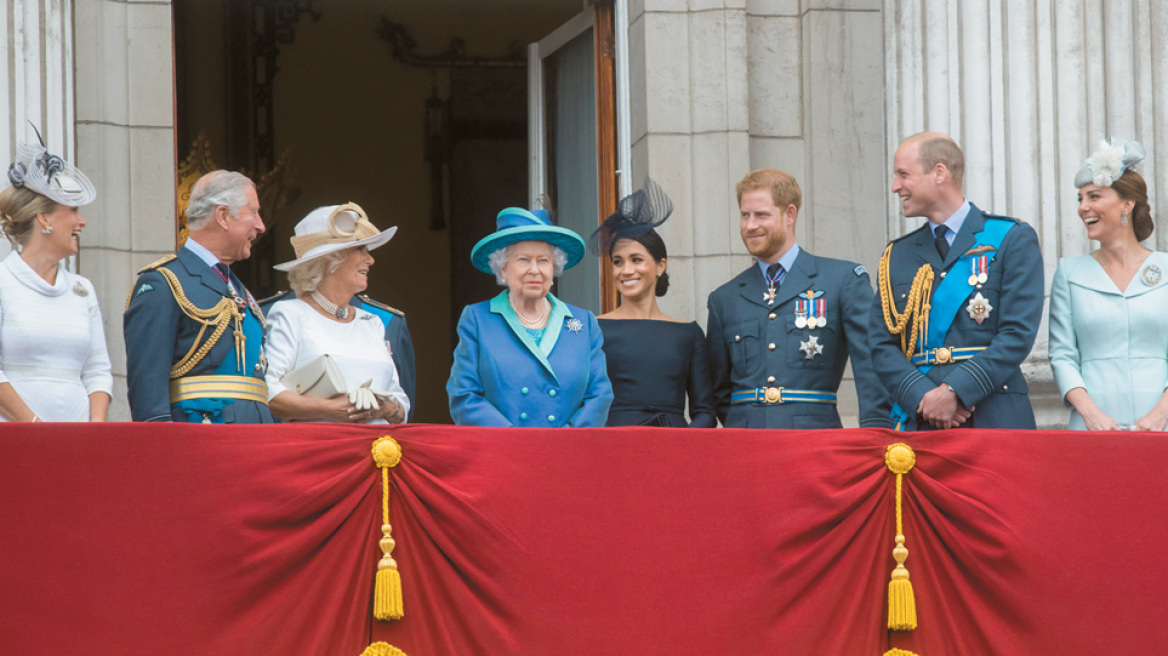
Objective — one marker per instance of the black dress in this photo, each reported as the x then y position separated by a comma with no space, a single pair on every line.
652,366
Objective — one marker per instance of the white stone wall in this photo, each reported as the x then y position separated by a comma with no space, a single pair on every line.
125,143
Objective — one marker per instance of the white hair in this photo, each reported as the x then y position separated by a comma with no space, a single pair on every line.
305,277
213,190
498,260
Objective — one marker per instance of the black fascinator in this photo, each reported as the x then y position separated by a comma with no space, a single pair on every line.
636,214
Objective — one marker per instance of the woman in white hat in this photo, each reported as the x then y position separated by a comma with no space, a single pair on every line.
332,264
53,360
526,358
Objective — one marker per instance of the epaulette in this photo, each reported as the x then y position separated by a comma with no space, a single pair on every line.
1004,218
157,263
378,304
278,296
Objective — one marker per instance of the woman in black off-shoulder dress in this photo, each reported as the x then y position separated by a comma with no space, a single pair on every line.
655,362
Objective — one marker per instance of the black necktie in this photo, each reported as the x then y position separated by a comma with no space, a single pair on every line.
941,243
773,271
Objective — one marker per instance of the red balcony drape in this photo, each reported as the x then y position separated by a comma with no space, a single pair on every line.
177,539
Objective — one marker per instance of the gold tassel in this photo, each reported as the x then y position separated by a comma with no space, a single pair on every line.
386,649
387,586
902,608
890,652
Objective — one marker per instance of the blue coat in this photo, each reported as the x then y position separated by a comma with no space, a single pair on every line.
158,335
397,333
1112,343
754,344
501,377
991,382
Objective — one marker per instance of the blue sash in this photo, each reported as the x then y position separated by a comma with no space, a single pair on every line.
951,293
212,409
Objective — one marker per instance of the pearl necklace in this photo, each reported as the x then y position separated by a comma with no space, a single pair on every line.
330,307
538,322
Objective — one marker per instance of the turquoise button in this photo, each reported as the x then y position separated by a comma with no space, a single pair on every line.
523,415
551,392
551,417
524,390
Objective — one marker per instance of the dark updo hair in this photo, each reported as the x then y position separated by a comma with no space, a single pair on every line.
19,207
1131,186
656,247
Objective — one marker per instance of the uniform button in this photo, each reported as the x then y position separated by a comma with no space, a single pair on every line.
772,315
738,338
770,379
551,392
524,390
551,417
1005,388
771,346
943,274
523,415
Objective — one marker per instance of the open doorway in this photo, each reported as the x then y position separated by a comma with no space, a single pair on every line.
416,110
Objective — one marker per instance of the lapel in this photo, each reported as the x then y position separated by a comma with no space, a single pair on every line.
799,279
502,307
921,243
1086,272
974,223
751,286
201,271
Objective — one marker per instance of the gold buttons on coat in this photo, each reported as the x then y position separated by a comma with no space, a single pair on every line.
771,346
770,379
772,316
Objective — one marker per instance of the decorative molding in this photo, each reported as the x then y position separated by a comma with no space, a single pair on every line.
455,56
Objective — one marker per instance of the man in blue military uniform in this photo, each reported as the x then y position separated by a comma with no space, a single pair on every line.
959,301
397,333
194,334
781,332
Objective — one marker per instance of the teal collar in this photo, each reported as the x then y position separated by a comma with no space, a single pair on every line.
501,305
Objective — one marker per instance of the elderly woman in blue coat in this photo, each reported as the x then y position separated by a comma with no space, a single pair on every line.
526,358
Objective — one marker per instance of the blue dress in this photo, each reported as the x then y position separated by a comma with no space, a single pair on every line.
653,366
1112,343
502,377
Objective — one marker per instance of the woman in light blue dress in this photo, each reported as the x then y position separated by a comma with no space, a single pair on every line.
1109,309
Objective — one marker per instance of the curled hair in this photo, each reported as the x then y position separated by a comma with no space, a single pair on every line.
656,248
498,260
304,278
1131,186
783,187
215,189
19,207
934,148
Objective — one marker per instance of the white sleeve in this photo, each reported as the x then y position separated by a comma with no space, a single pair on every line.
279,347
96,373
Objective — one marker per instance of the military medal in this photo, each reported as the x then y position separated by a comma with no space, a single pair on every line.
811,347
811,310
769,296
80,289
800,320
978,270
979,308
772,284
1150,275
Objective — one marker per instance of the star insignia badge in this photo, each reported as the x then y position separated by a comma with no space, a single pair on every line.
574,325
979,308
811,347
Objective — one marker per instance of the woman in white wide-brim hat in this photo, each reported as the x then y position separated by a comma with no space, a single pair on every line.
526,358
332,264
53,360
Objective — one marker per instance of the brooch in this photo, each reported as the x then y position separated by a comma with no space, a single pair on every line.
811,347
80,289
574,325
979,308
1150,275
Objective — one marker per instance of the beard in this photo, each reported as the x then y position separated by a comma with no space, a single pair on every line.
769,247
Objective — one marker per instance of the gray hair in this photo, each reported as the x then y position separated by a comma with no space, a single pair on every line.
498,260
305,277
213,190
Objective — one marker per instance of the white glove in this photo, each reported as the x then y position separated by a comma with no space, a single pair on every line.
394,403
364,398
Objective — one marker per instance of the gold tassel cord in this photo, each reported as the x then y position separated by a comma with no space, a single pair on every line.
899,652
386,649
902,610
914,322
387,587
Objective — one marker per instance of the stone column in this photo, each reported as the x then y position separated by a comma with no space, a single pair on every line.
1029,89
125,143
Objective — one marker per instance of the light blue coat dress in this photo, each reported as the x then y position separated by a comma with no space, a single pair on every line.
502,377
1112,343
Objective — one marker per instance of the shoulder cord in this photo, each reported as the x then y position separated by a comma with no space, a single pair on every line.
220,316
916,308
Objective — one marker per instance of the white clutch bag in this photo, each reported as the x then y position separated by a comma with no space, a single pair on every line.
320,379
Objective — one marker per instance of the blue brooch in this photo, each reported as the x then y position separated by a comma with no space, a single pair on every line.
574,325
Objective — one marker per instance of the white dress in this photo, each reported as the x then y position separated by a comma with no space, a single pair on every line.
52,344
298,334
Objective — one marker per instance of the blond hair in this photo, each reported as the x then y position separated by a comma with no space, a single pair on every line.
783,187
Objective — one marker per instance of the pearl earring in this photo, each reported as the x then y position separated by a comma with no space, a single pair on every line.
48,230
1123,219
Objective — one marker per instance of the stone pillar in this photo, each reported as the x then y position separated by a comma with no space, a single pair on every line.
1029,94
125,143
36,71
